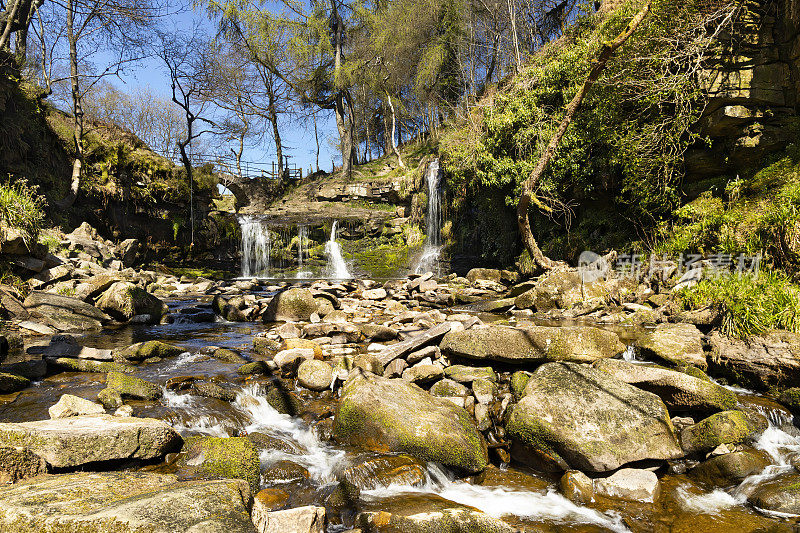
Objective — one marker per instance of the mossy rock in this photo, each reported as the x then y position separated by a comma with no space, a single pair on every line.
110,398
791,399
265,345
132,387
223,457
12,383
727,427
781,494
284,401
292,304
88,365
731,468
256,367
228,356
285,472
149,349
519,380
124,300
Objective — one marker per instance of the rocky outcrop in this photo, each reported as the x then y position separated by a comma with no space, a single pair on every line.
124,300
80,440
393,415
573,416
759,362
536,344
65,313
675,344
125,502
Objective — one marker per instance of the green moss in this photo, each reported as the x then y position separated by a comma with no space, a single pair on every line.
88,365
148,349
228,457
132,387
726,427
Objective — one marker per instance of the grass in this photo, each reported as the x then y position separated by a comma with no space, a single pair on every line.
749,305
22,207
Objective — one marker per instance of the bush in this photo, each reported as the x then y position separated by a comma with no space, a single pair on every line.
749,305
22,207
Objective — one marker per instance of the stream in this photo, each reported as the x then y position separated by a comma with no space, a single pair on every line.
522,497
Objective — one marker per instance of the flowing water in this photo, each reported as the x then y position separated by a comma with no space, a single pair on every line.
429,260
337,266
256,244
522,497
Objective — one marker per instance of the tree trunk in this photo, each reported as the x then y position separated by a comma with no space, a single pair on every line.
11,16
345,130
276,134
606,52
187,165
394,125
316,138
77,110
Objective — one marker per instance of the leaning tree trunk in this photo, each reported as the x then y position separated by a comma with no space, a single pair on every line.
598,65
77,111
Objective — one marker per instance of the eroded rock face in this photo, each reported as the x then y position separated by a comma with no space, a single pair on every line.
65,313
536,344
393,415
678,390
222,457
573,416
125,502
759,362
79,440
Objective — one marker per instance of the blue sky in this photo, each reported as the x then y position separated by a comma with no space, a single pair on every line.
297,137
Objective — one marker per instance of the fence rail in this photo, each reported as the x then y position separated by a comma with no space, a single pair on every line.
249,169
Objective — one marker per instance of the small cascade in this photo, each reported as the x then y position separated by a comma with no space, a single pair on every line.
256,243
302,251
429,260
337,267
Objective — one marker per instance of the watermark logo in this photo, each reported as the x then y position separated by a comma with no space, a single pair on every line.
593,266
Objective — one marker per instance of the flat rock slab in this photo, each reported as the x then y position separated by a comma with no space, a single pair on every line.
79,440
538,344
125,502
407,346
573,416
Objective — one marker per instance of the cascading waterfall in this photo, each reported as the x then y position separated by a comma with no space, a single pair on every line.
429,260
337,267
302,251
255,247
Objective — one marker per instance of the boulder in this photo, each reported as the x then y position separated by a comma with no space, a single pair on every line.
563,290
772,360
675,344
575,417
726,427
65,313
80,440
221,457
374,294
536,344
289,360
309,519
71,364
378,332
731,468
385,470
468,374
781,494
488,274
678,390
447,388
130,252
577,487
12,383
18,462
132,387
67,346
315,375
291,305
124,300
69,405
394,415
93,287
629,484
13,241
226,392
148,349
442,517
423,373
125,502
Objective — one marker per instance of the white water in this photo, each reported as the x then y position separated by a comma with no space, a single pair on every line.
429,260
500,501
337,267
255,247
629,354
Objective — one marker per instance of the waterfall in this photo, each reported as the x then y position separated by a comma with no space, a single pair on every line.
429,260
255,247
302,251
337,268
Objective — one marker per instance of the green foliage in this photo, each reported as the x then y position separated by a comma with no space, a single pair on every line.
22,207
749,305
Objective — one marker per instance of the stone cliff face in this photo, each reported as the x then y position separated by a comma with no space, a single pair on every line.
753,84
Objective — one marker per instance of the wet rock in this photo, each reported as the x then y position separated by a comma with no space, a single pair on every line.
289,360
291,305
468,374
250,369
674,343
271,499
315,375
228,356
575,417
209,389
577,487
146,350
132,387
32,370
519,380
731,468
18,463
308,519
284,401
391,414
385,470
222,457
678,390
65,313
69,405
537,344
629,484
423,373
448,388
67,346
781,494
759,362
12,383
79,440
124,300
726,427
126,502
285,472
378,332
447,517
